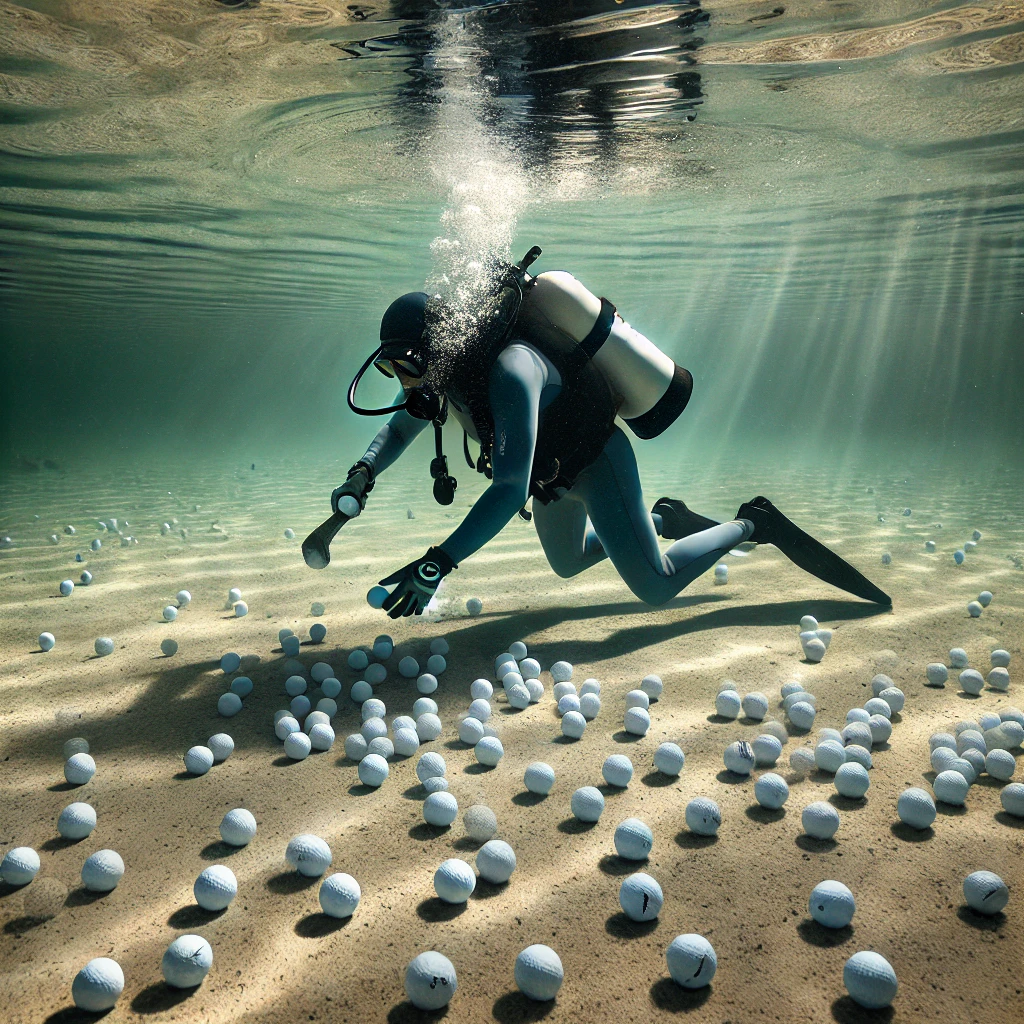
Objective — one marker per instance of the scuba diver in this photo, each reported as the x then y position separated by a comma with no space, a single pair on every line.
538,380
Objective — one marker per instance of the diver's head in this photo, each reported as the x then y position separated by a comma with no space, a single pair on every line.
403,348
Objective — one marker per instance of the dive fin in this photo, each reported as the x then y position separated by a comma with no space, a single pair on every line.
316,548
772,527
679,521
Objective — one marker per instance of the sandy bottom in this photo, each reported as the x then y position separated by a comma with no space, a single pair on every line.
277,958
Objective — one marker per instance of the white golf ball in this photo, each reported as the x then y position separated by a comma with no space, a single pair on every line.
215,887
436,664
327,706
529,668
942,758
951,787
669,759
481,823
652,686
79,769
1000,658
102,871
858,755
999,679
617,770
560,690
19,865
426,683
376,673
471,731
802,715
974,608
98,985
67,586
916,808
229,704
428,727
317,633
703,816
985,892
437,784
881,729
637,721
877,706
803,760
1000,764
170,613
221,745
587,803
372,728
640,897
561,671
297,746
721,573
771,791
538,973
187,961
870,980
424,705
739,757
728,704
409,667
241,609
474,606
331,687
103,646
76,821
936,673
430,980
339,895
820,820
309,855
539,778
633,839
321,737
831,904
858,715
373,707
519,697
808,622
814,650
767,750
858,733
46,642
573,725
489,751
691,961
637,699
1012,799
238,827
454,880
894,697
440,809
590,705
755,706
373,770
496,861
429,765
291,645
793,687
406,742
480,689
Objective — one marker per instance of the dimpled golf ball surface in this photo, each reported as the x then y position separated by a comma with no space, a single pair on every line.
633,839
76,821
102,871
950,787
221,745
870,980
489,751
440,809
573,725
916,808
103,646
767,749
496,861
587,803
297,746
309,855
820,820
339,895
46,641
728,704
373,770
215,887
187,961
637,721
97,985
430,981
406,742
831,904
852,780
739,757
238,827
771,791
985,892
669,759
229,704
703,816
802,714
755,706
640,897
617,770
539,777
454,880
1012,799
79,769
471,731
19,865
1000,765
538,973
429,765
691,961
481,823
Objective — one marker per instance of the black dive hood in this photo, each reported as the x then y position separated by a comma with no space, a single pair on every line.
405,322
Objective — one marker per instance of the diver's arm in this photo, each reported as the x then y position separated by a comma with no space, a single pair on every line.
516,384
392,439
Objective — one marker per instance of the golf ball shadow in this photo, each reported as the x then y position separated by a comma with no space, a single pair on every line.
982,922
846,1011
693,841
903,831
193,916
286,882
573,826
158,997
515,1008
667,995
765,815
434,909
729,778
528,799
812,845
317,926
621,927
826,938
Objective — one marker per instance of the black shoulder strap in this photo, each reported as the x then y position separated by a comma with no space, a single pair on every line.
599,332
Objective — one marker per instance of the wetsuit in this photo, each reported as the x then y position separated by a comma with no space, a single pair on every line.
601,516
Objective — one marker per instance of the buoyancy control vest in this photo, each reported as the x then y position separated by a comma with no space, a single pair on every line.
607,369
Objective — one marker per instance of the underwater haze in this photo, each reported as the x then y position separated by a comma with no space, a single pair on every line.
816,208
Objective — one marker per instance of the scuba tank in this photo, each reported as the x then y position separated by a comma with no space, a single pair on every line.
651,390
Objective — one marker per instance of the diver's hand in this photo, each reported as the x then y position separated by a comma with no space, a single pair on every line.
357,487
417,583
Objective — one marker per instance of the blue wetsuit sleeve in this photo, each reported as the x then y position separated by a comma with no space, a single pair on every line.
392,439
515,390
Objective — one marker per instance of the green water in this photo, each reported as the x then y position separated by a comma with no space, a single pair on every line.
206,209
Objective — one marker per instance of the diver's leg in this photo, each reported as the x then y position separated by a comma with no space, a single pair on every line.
565,533
610,490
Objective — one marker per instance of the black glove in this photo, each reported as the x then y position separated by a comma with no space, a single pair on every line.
358,485
417,583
